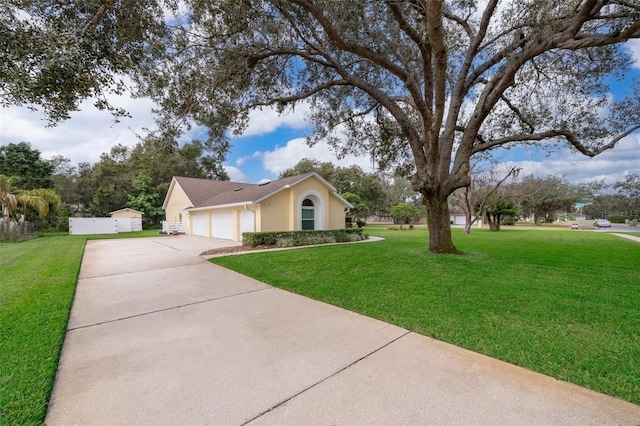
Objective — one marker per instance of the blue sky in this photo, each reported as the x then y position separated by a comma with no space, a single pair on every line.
273,143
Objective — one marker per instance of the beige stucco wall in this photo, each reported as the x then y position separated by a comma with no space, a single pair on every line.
336,213
126,214
282,211
176,203
275,212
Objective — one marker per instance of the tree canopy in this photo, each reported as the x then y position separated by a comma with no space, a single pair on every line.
136,177
541,197
29,171
403,213
421,85
54,55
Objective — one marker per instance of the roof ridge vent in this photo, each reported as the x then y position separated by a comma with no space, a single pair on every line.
239,189
264,183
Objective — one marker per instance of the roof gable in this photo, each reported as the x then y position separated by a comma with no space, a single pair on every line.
198,191
210,193
125,210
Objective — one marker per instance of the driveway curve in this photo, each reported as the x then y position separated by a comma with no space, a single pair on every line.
159,336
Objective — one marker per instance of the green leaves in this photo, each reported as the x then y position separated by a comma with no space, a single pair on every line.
54,56
29,171
404,212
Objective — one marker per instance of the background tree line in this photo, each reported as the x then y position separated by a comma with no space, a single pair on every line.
502,197
48,191
136,177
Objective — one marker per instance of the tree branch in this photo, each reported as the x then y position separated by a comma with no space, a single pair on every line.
299,96
422,105
97,17
550,134
358,49
518,113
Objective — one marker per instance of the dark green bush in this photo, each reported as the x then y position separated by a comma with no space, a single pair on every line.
301,238
509,220
619,218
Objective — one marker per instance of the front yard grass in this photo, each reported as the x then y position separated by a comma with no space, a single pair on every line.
562,303
37,283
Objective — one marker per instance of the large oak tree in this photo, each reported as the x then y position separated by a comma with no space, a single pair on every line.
423,83
427,83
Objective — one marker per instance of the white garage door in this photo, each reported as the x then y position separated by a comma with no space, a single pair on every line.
199,224
222,225
247,221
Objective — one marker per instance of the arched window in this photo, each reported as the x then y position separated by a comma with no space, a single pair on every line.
308,214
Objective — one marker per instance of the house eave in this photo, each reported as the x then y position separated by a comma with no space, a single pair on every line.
333,190
126,209
271,194
219,207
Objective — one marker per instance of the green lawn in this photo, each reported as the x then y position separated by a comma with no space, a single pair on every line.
563,303
37,284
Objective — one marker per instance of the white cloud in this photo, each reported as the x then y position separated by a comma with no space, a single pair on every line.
612,165
266,120
240,161
85,136
634,48
285,157
235,174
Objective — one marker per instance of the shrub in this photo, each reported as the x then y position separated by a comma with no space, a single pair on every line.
285,242
619,218
509,220
356,237
300,238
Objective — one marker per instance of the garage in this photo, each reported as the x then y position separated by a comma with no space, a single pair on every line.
199,224
247,221
222,225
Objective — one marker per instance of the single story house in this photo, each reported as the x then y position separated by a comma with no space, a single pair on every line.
126,213
224,209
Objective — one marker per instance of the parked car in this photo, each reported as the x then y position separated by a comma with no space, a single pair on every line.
602,223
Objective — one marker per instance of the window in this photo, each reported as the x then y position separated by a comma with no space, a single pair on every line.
308,214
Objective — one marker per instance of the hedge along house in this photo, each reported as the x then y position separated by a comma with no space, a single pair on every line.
223,209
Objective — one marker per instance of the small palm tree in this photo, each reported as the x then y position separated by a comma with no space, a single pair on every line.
38,199
7,197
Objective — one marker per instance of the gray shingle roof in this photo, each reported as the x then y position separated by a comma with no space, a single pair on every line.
209,193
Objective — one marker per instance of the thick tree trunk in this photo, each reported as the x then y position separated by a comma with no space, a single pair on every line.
438,219
497,222
537,219
492,225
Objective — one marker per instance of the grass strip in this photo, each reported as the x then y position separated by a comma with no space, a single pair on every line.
37,284
558,302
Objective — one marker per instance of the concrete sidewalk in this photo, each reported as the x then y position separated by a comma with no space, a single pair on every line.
159,336
628,237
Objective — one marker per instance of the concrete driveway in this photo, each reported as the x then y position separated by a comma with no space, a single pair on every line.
158,336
